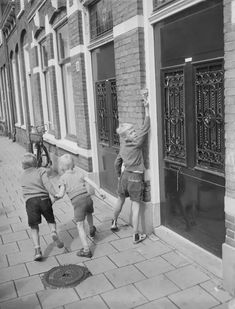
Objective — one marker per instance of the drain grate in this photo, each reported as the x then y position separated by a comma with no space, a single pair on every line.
65,276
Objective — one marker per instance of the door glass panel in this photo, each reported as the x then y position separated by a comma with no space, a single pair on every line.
102,113
209,95
174,115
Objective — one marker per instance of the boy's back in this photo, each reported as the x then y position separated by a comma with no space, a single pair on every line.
74,183
35,182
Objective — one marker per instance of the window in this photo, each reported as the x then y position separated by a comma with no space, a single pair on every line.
101,19
66,70
19,87
44,54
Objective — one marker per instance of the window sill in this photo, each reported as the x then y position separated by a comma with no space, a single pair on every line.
73,148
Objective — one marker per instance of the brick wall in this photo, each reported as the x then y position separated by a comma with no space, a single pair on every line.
75,29
130,74
123,10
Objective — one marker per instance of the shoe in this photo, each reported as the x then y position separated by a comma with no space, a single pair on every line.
83,253
138,238
55,237
114,226
38,254
93,231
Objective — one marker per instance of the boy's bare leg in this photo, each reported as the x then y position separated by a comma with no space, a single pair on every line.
54,235
135,216
35,236
117,210
137,237
89,218
82,235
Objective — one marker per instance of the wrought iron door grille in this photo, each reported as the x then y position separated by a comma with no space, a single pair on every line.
107,111
101,19
209,103
174,115
103,125
115,137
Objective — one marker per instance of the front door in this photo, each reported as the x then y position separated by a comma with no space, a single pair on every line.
107,114
192,105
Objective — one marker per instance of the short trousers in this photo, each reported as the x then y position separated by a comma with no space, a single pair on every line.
132,185
82,205
37,207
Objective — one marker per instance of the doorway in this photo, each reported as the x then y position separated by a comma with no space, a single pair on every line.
191,78
106,114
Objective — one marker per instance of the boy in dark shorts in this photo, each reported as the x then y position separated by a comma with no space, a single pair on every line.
74,186
129,166
36,188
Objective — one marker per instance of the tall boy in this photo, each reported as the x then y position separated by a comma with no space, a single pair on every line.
36,188
130,180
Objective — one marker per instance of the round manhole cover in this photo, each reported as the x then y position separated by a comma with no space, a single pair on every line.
65,276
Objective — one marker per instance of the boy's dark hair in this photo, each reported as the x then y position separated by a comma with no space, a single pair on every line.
29,160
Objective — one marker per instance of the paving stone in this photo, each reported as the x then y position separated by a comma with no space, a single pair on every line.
99,265
3,261
26,302
41,266
19,227
57,297
126,244
126,257
20,257
213,288
124,275
102,250
11,237
93,285
9,248
176,259
187,276
193,298
28,285
154,267
163,303
7,291
12,273
125,297
89,303
70,258
156,287
5,228
149,251
104,237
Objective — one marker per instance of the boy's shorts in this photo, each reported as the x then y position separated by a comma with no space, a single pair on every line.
132,185
82,205
37,207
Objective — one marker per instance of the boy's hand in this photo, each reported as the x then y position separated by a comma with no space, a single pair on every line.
144,95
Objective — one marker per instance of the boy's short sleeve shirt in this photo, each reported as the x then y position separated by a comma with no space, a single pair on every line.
74,183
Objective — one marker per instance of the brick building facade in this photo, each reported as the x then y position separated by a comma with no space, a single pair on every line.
79,67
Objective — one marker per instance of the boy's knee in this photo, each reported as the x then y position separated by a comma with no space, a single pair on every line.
34,227
80,224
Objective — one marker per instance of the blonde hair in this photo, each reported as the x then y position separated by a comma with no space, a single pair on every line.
29,160
66,162
124,128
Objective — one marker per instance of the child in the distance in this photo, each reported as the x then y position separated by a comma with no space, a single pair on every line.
74,185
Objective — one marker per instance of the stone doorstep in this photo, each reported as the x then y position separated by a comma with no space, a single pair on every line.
205,259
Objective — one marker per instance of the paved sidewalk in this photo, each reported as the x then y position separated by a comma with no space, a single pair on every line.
148,275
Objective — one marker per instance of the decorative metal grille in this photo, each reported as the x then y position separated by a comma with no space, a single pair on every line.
209,102
102,109
107,110
101,19
174,116
114,113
